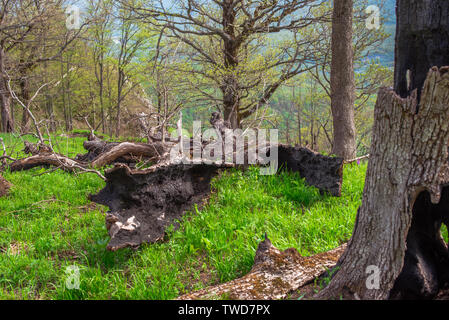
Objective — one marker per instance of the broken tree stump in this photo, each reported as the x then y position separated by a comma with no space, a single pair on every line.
4,187
143,203
397,230
274,275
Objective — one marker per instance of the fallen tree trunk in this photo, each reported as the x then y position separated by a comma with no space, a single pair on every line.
125,152
155,150
274,275
45,160
322,172
144,203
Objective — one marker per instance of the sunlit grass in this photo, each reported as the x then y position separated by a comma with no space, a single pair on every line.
47,223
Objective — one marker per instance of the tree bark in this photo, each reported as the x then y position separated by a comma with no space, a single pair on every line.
25,96
342,80
230,87
408,158
5,97
273,276
422,41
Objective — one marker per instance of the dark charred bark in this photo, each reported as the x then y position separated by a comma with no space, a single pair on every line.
322,172
422,41
144,203
403,204
426,262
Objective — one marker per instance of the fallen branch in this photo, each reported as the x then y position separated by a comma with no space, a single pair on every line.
52,159
357,159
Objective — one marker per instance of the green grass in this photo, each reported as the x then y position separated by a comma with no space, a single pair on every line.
47,224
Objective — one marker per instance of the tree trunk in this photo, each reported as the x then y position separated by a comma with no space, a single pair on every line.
120,84
5,97
230,87
422,41
25,96
273,276
408,167
342,80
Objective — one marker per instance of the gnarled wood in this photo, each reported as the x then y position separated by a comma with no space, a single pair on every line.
45,160
409,155
154,150
274,275
143,203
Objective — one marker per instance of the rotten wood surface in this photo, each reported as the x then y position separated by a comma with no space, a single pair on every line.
322,172
143,203
273,276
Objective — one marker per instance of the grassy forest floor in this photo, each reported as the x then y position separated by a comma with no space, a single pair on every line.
47,223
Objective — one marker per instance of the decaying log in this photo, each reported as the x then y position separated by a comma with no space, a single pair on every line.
154,150
45,160
273,276
144,202
100,154
322,172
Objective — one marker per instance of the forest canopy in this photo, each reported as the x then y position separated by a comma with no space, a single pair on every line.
116,63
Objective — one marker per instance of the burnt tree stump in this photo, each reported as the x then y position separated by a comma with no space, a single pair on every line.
422,41
405,201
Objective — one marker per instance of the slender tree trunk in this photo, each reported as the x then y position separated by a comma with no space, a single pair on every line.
298,110
63,92
119,101
342,80
5,97
101,95
230,87
69,97
25,96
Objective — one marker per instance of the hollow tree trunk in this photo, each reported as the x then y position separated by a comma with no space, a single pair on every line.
422,41
408,158
342,80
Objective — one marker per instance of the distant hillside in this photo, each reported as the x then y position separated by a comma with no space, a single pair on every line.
386,53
